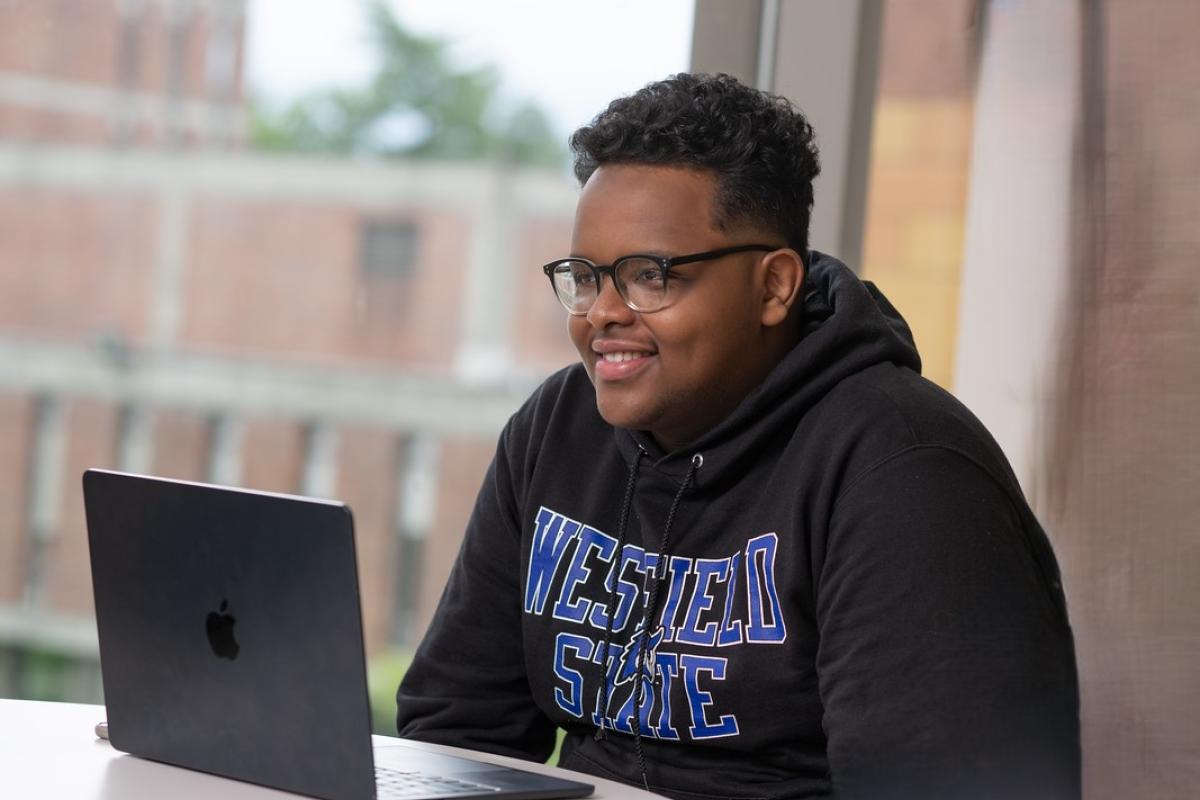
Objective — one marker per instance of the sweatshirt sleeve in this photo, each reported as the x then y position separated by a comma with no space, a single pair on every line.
946,663
467,684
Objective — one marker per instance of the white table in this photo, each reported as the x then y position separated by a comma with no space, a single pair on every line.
50,750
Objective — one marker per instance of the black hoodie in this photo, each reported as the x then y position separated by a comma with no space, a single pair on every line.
854,598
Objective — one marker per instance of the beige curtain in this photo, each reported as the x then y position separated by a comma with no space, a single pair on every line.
1080,347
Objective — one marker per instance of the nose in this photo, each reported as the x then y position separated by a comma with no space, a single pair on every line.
609,308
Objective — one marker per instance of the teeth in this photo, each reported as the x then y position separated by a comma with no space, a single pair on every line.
627,356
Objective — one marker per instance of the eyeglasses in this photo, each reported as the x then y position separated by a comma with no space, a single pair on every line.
642,281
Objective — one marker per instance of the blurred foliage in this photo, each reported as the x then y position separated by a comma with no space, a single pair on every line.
418,104
32,672
383,678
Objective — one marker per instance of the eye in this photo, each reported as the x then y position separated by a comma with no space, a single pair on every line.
574,273
642,272
649,275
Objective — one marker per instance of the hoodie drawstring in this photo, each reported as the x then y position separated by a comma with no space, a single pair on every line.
650,612
649,608
622,526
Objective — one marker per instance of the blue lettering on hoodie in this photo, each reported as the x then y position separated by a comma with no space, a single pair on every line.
566,559
766,616
693,667
679,572
569,607
550,539
570,699
627,588
692,632
667,666
731,629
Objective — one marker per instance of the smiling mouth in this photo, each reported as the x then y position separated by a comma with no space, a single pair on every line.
621,365
629,355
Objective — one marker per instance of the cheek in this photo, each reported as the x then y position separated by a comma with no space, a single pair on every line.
578,330
695,343
684,332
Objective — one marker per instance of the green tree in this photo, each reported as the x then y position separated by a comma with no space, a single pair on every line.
417,104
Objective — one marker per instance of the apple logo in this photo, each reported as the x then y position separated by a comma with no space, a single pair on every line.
220,632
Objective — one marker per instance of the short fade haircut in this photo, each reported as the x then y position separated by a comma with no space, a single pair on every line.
758,145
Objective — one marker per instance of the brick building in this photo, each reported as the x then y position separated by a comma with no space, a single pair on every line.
171,303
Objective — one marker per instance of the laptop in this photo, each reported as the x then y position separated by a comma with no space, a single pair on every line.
231,643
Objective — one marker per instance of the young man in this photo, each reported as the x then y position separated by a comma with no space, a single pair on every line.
745,514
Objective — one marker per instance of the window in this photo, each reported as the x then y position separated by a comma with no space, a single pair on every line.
388,249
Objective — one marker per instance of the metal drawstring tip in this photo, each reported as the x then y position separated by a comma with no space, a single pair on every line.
601,735
645,782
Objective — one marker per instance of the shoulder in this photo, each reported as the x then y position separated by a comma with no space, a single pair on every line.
873,416
561,413
566,393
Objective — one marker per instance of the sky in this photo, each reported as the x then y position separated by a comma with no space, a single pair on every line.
569,56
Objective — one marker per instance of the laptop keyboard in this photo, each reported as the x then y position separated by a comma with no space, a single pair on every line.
393,784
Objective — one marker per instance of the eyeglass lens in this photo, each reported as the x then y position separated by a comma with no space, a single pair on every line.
639,282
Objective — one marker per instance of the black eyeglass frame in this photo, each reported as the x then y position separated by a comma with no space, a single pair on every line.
665,263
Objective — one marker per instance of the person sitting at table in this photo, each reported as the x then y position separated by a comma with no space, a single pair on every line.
743,548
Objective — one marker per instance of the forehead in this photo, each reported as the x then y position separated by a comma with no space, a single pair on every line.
636,207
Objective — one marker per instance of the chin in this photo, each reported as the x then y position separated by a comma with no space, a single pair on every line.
621,415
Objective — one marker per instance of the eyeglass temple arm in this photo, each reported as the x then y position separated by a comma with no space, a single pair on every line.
724,251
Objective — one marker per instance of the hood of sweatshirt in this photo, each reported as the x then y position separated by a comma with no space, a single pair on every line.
848,326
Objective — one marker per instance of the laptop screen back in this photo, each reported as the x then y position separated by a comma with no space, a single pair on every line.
230,632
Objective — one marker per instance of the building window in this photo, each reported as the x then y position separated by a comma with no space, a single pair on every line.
221,60
388,249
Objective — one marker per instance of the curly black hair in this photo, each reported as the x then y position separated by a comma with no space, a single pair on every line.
759,146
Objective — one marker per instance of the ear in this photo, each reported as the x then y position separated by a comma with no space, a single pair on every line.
783,275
